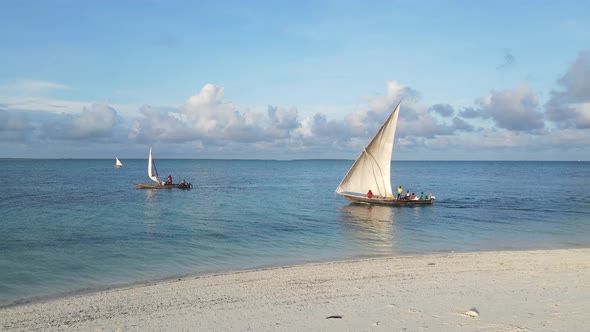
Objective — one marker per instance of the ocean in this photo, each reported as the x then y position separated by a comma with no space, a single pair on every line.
77,225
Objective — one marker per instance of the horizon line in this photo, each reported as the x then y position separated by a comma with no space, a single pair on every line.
303,159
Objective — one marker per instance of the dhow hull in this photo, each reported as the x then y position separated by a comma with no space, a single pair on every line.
162,186
386,200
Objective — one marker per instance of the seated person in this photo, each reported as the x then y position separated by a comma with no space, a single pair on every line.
422,195
370,194
169,180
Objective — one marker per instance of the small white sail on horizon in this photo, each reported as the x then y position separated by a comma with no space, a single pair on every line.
372,169
152,171
118,163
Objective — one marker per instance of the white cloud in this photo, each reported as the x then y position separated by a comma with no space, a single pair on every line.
282,122
567,107
14,127
583,115
512,109
444,110
161,126
28,87
576,80
96,122
213,118
51,105
502,121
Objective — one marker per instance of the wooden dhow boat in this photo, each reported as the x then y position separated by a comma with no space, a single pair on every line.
372,171
158,184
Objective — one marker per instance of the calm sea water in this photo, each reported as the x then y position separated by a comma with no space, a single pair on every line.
69,225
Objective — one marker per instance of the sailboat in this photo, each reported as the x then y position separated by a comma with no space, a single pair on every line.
372,171
118,163
158,184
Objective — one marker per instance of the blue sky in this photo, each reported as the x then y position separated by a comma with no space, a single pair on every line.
502,80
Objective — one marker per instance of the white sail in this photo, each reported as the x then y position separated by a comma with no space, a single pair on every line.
372,169
152,172
118,163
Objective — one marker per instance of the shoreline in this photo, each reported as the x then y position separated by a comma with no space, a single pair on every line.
532,289
172,278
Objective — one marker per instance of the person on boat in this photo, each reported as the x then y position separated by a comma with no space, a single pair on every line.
422,195
408,194
400,191
370,194
169,181
413,197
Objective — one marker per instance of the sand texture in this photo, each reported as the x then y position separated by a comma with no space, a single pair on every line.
546,290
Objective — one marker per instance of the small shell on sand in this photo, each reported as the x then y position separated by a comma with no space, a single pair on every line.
473,312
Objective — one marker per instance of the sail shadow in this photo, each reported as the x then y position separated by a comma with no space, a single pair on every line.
371,226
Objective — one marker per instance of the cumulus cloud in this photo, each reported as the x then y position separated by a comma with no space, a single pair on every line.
444,110
577,79
426,126
14,127
213,118
568,106
158,125
472,112
205,121
324,129
394,92
210,123
282,122
511,109
95,122
417,124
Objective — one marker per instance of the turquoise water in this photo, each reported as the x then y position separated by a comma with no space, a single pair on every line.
69,225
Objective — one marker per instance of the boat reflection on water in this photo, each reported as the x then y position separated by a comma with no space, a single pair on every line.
151,212
371,227
150,196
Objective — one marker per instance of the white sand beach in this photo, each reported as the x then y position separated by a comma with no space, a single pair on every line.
546,290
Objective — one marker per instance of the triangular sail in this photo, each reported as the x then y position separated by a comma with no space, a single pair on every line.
152,172
118,163
372,169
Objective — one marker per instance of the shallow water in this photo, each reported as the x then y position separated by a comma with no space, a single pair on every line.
68,225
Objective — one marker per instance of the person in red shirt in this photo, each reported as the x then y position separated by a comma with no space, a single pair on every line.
370,194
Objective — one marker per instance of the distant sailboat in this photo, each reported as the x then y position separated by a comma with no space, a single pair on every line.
118,163
372,170
153,175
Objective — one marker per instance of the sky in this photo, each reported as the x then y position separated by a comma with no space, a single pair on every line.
478,80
